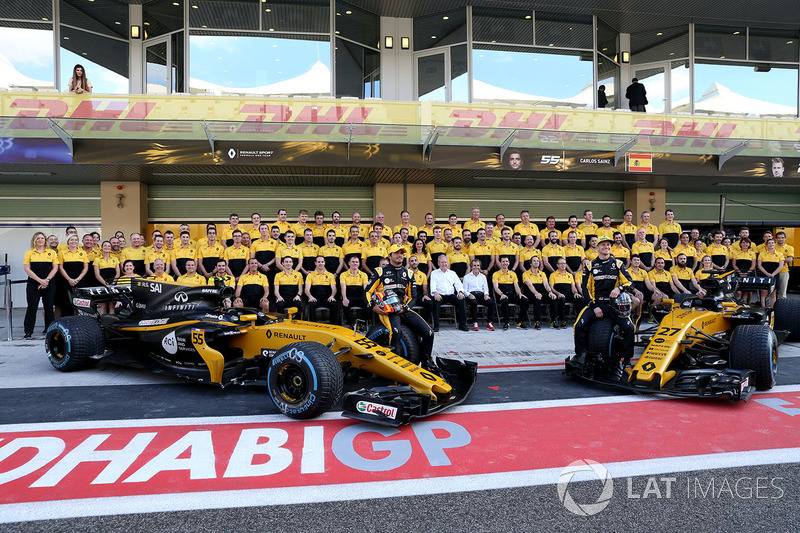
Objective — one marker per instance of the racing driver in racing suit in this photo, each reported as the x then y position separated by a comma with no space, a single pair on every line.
603,280
395,277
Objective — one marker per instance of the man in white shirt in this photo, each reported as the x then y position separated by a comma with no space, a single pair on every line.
446,288
477,290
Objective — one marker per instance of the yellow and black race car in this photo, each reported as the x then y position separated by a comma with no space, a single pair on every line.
184,332
715,346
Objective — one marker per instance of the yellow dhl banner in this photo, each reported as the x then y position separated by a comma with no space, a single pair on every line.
475,123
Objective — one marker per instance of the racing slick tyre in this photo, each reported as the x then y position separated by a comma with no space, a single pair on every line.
304,379
601,338
408,347
787,317
754,347
71,341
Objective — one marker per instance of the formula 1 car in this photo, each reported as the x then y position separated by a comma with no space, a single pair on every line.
715,346
184,332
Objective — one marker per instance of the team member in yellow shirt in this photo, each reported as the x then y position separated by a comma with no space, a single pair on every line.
651,231
572,225
41,265
483,251
744,233
565,288
628,228
373,252
640,279
334,258
181,254
288,287
237,255
682,276
289,250
744,259
684,247
544,234
574,253
527,252
788,257
227,234
352,282
455,227
670,229
619,251
770,263
354,247
664,252
506,290
662,281
507,249
320,291
405,222
252,290
106,266
474,224
209,253
720,255
319,229
192,278
282,223
644,249
436,247
458,258
156,252
159,272
552,252
73,265
538,291
526,228
588,227
606,230
221,278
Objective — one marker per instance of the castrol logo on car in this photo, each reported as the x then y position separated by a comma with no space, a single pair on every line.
376,409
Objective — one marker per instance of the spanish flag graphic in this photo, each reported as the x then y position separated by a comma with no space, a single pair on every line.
640,162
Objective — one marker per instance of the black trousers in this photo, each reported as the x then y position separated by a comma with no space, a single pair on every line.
480,300
461,309
537,306
281,307
360,301
585,319
34,295
418,326
513,299
332,308
561,306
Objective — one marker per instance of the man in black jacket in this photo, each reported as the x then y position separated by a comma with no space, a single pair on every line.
637,96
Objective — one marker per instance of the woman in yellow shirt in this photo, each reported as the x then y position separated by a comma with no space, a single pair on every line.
664,253
106,270
40,264
419,250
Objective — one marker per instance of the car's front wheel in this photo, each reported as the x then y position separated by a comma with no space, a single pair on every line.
71,341
304,379
407,345
754,347
787,317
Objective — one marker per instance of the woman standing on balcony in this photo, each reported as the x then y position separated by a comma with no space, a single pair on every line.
79,83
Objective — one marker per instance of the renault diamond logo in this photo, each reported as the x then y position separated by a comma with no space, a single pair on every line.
231,153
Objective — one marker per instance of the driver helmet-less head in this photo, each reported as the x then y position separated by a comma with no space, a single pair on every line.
388,300
622,304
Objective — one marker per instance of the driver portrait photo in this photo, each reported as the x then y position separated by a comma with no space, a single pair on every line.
514,161
777,167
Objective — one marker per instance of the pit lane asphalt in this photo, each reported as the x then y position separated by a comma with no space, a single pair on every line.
528,508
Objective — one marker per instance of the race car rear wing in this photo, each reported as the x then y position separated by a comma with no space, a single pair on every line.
753,283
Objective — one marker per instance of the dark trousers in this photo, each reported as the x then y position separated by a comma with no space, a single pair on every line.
461,309
537,307
480,300
585,319
418,326
323,304
561,306
281,307
34,295
354,302
513,299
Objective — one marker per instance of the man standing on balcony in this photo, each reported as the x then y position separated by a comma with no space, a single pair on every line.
637,96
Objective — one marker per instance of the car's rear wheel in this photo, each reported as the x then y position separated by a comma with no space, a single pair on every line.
754,347
71,341
407,346
304,379
787,317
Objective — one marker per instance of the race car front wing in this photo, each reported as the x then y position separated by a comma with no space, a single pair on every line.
393,406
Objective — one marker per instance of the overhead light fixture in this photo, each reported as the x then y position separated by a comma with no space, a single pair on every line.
445,18
626,57
388,42
660,33
136,31
405,43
